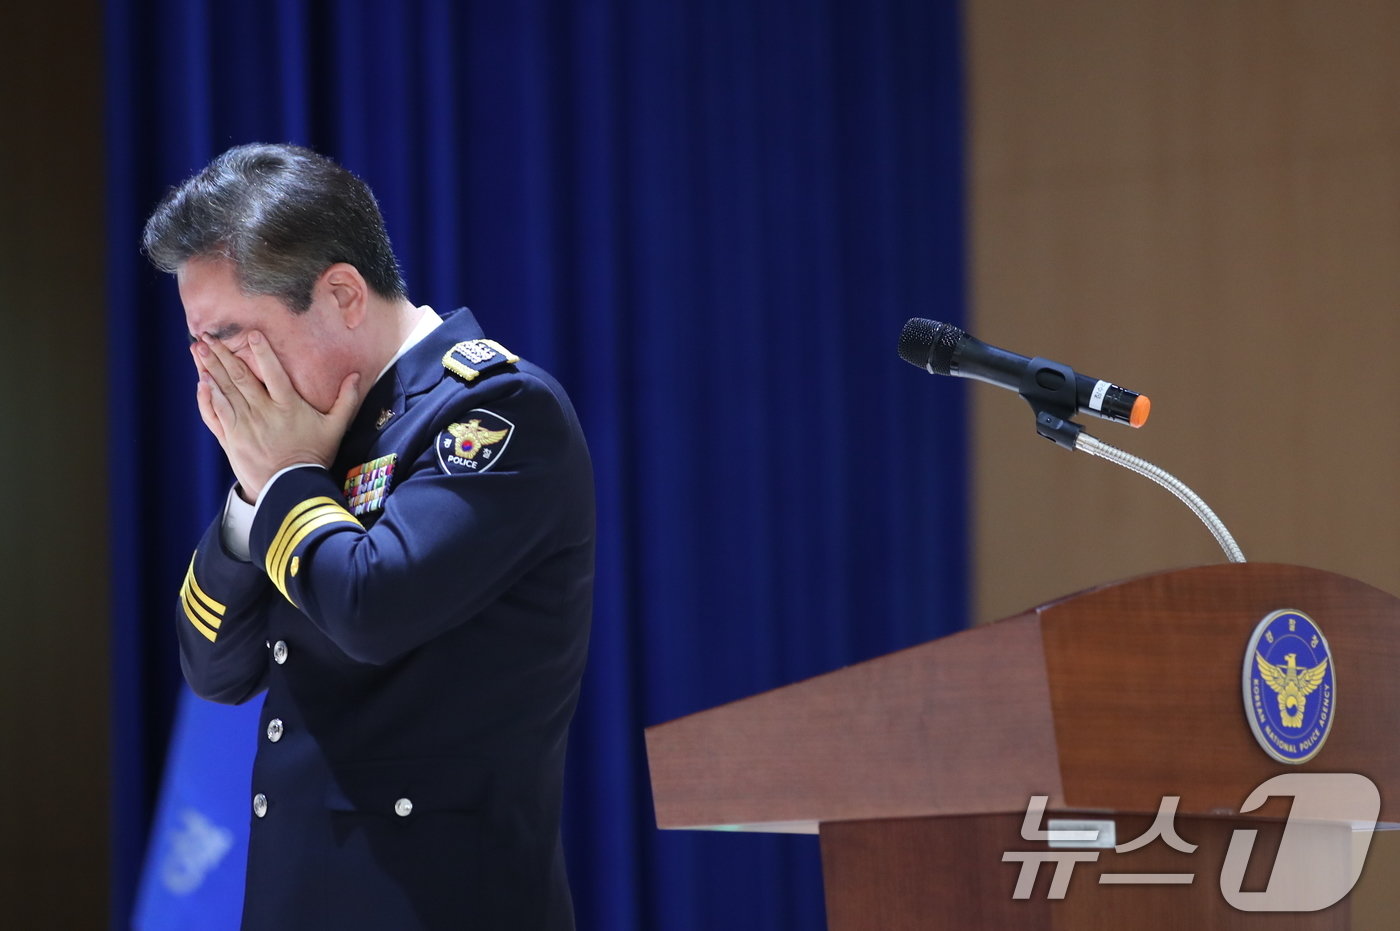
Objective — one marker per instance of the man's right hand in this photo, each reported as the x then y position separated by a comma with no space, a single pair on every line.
266,426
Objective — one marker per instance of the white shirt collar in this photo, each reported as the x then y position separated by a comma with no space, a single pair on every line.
428,322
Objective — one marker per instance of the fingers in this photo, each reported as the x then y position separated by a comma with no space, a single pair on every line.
227,415
259,418
347,402
230,375
204,395
274,377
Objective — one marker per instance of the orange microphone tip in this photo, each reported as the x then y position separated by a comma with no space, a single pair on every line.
1141,408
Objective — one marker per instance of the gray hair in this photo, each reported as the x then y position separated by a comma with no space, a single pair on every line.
283,215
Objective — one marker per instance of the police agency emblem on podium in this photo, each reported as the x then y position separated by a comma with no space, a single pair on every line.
1290,687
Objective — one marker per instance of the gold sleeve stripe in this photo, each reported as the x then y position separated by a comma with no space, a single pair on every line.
208,634
203,612
209,617
278,555
280,538
277,562
206,623
303,519
276,559
305,530
200,597
279,575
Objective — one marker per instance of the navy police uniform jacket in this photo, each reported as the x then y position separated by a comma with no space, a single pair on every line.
418,616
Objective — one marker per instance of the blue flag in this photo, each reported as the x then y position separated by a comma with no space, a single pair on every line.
195,859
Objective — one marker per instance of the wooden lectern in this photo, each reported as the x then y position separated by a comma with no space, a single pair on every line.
917,767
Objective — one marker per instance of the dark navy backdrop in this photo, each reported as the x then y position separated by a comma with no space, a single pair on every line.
709,219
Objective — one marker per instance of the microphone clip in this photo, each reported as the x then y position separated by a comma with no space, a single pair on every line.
1049,388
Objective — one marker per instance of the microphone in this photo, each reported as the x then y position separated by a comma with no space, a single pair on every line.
943,349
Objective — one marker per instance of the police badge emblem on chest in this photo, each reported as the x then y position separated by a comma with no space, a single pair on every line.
367,484
474,444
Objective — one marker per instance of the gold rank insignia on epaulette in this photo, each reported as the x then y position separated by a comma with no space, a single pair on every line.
472,358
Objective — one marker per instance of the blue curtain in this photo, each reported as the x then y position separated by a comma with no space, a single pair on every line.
709,219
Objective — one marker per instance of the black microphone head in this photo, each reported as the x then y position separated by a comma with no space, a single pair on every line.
929,344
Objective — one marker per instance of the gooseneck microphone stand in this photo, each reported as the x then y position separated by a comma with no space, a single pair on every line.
1047,397
1094,447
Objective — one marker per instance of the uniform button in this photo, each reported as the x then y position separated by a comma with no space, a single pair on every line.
279,652
274,730
260,804
403,808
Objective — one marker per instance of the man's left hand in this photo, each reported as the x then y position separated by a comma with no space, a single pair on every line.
264,425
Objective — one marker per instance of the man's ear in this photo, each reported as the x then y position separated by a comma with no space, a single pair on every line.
348,291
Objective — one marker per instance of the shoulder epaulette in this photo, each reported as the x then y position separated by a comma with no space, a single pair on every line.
473,358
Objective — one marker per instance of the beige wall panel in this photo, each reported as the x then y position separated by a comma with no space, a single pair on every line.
1200,201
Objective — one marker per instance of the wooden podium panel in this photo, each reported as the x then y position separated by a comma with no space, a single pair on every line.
925,730
1147,696
919,874
912,765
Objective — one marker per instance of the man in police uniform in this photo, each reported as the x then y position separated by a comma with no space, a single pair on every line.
405,564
